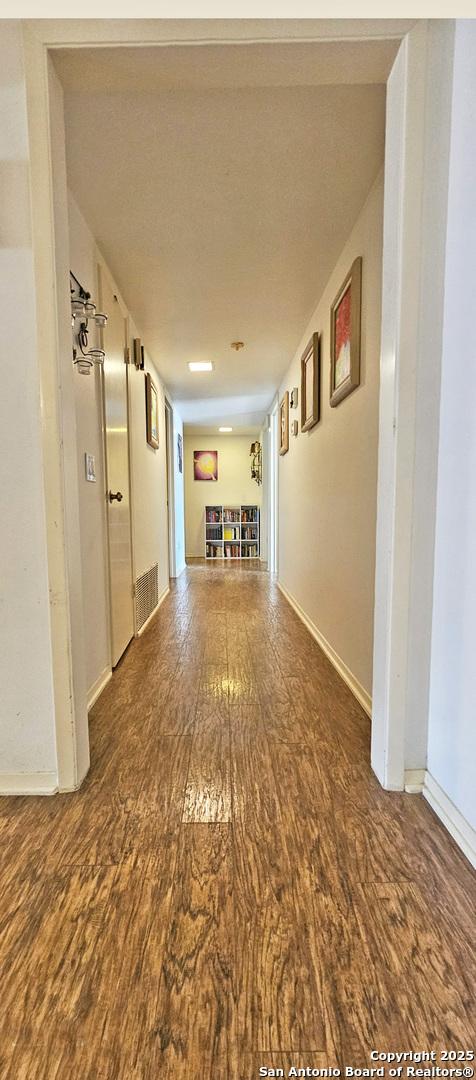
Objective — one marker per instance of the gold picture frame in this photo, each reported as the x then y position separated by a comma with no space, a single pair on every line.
284,423
152,412
345,335
311,383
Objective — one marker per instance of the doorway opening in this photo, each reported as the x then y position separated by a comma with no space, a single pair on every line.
169,454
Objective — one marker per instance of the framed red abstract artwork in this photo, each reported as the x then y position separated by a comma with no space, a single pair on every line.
205,464
345,335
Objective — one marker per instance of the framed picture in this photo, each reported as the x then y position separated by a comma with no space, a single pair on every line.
311,384
180,453
152,412
345,335
284,424
205,464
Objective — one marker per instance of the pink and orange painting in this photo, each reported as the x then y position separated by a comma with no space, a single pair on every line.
342,339
205,464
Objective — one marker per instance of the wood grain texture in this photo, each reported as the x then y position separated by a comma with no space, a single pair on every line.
208,791
231,886
196,1015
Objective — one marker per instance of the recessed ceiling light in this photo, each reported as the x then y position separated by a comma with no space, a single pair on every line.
200,365
225,429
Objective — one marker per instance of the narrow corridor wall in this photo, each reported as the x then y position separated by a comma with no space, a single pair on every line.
449,781
148,473
328,478
28,759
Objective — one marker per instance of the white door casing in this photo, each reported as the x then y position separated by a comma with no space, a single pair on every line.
117,472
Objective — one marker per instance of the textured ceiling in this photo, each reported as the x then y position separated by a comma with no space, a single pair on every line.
221,209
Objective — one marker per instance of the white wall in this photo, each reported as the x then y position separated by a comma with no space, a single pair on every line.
89,439
148,478
179,497
327,480
234,484
27,717
452,727
148,472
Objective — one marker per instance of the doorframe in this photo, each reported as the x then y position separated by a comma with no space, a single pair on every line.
169,458
397,429
103,272
273,545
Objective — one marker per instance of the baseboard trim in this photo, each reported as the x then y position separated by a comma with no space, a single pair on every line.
452,818
414,781
98,686
40,783
154,612
358,691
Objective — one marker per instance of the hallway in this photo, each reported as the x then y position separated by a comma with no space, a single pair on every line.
231,887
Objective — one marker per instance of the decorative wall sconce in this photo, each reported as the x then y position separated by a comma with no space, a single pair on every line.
294,398
83,313
256,462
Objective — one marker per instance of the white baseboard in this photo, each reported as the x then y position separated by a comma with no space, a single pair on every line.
358,691
154,612
40,783
414,781
98,686
452,818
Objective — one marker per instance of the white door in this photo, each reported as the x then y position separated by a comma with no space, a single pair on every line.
117,472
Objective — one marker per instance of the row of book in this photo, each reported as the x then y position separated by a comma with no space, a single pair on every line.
213,514
250,514
250,533
214,532
214,551
249,551
232,551
231,515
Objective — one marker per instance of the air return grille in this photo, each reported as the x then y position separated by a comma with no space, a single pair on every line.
146,594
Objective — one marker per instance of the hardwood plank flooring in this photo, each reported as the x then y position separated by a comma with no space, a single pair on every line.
231,887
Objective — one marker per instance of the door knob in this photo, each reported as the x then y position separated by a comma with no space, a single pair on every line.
117,495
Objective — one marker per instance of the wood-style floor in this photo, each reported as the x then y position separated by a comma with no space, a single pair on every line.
231,887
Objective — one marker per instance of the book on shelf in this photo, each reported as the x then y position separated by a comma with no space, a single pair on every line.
214,532
249,514
213,515
214,551
249,551
232,551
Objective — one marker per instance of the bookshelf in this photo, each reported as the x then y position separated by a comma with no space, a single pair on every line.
232,532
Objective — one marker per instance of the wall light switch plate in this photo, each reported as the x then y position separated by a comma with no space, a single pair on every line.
90,467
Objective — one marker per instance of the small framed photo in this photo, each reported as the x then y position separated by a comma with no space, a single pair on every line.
284,424
345,335
311,384
152,412
180,453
